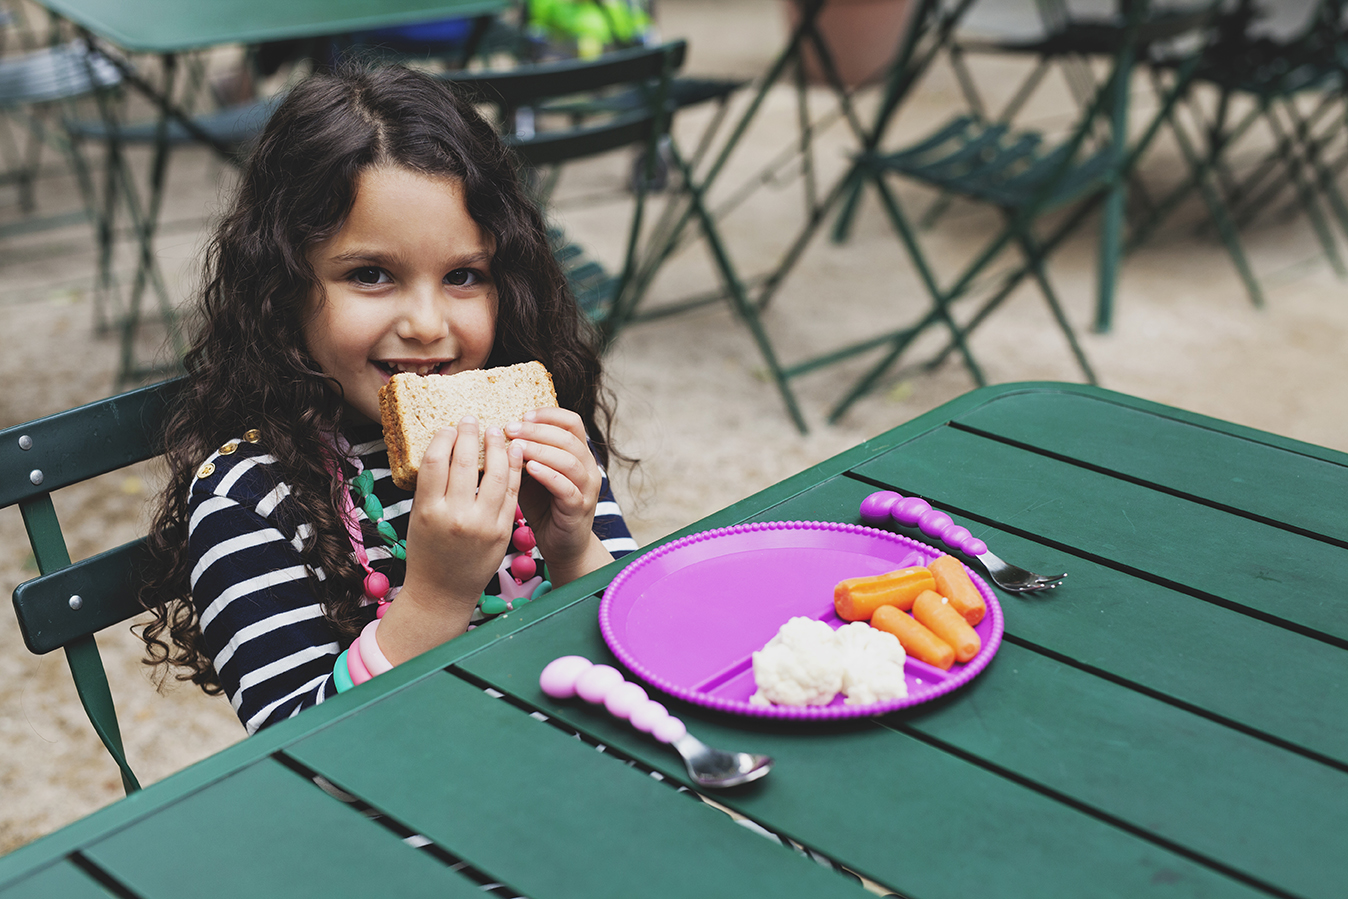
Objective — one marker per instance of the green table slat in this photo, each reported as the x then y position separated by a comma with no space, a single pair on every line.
1245,562
63,880
902,812
489,783
267,831
1197,652
1257,808
1275,482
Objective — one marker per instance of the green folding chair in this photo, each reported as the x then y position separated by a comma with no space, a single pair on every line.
579,108
1071,42
37,89
1272,77
521,96
69,602
230,131
1024,175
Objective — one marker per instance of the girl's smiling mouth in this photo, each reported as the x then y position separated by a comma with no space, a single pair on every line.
391,368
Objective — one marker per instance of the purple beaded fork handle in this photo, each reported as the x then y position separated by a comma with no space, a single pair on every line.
881,508
605,685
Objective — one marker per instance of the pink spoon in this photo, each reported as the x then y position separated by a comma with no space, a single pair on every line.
571,676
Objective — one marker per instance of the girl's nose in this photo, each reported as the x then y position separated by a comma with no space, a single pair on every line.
425,318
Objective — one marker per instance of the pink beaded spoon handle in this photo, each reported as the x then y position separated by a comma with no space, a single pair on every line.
881,508
605,685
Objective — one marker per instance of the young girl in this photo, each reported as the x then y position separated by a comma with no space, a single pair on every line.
380,227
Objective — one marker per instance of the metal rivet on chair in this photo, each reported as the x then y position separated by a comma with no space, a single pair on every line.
76,602
25,442
36,476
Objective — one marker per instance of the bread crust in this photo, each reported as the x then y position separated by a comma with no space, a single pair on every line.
414,407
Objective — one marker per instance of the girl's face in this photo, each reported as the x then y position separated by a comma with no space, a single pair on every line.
405,285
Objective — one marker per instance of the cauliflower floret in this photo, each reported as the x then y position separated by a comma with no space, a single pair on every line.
801,665
873,664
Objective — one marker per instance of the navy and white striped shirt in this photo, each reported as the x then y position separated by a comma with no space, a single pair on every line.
262,620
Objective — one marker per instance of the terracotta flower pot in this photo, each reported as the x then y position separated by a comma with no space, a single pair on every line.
862,35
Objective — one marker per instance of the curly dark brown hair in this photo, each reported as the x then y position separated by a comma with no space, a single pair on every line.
247,366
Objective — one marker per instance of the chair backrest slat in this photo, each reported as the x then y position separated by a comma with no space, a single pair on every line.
73,446
81,599
549,148
522,85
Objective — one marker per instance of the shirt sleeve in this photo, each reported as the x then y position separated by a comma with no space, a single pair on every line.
262,623
609,526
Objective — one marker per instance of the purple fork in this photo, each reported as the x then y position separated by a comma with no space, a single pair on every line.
886,505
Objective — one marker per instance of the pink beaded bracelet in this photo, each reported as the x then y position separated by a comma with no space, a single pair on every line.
355,664
370,653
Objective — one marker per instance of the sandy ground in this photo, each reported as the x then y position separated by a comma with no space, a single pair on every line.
694,405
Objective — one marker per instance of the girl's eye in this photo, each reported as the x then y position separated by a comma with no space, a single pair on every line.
369,275
463,277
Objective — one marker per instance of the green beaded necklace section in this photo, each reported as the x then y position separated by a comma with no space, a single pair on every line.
363,484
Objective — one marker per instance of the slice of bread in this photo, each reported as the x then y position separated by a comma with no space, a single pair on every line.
414,407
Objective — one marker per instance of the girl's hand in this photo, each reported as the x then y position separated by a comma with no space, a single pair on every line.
560,495
457,535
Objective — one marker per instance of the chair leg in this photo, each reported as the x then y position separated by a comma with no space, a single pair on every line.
1034,259
91,683
1308,202
1201,179
1111,229
940,298
746,310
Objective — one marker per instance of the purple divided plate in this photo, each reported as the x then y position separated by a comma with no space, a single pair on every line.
687,617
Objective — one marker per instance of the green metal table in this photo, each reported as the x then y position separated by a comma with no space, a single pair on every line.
1171,721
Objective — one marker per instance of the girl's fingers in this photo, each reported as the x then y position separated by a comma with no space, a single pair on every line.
557,427
501,476
463,468
567,463
559,485
433,473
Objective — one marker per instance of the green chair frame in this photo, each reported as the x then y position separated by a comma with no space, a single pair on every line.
607,86
1274,75
1024,175
37,88
645,73
1069,43
70,602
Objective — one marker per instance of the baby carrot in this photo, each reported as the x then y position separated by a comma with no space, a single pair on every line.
952,582
857,598
942,620
916,640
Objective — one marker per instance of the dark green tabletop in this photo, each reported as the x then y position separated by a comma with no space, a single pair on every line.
1172,721
174,26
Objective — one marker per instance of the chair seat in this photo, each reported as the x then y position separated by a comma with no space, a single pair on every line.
990,162
591,284
233,125
56,73
683,93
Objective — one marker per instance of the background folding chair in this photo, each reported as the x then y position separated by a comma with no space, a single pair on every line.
520,97
1023,175
69,602
231,132
594,99
1270,77
37,88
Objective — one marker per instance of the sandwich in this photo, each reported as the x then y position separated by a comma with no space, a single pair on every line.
414,407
